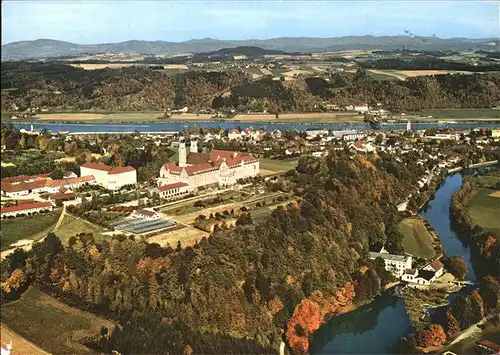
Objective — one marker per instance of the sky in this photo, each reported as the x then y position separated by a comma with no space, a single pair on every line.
94,21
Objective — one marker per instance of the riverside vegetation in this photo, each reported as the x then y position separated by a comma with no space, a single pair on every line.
58,86
243,289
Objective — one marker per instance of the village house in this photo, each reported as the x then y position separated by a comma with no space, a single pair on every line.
314,132
425,276
146,214
25,208
109,177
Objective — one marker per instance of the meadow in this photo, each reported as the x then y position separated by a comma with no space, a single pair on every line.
29,228
51,324
416,239
484,209
277,166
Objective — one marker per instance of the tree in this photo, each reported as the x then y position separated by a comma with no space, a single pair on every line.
434,336
305,320
452,326
490,292
456,265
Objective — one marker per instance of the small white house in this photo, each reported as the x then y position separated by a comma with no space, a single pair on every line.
435,266
397,264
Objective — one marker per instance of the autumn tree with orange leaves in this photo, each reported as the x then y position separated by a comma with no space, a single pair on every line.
305,320
434,336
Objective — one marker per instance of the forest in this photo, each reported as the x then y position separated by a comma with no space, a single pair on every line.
240,290
427,63
57,86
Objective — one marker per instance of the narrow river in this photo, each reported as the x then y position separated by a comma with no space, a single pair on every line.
376,327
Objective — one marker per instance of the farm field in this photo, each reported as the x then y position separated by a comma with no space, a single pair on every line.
311,117
27,228
101,117
484,209
277,166
403,74
50,324
462,113
72,225
416,239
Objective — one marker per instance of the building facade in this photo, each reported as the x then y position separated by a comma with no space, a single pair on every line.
396,264
24,209
109,177
218,167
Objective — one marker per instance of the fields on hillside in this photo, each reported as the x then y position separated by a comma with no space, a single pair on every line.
403,74
484,209
50,324
101,117
417,240
311,117
277,166
72,225
29,228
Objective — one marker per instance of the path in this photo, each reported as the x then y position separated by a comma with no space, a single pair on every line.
59,221
19,344
469,331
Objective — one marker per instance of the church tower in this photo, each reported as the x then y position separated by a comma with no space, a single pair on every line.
408,126
182,154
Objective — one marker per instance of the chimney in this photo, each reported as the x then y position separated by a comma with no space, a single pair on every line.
182,154
194,146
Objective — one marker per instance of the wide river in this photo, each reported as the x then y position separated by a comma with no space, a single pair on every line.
179,126
376,327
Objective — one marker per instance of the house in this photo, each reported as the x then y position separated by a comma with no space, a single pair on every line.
276,134
353,136
69,174
174,191
489,346
62,197
397,264
25,208
146,214
314,132
234,134
292,151
41,185
109,177
361,108
435,266
360,146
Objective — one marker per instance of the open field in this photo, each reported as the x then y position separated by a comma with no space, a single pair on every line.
187,236
462,113
101,117
313,117
19,344
416,239
495,194
403,74
29,228
72,225
50,324
485,209
277,166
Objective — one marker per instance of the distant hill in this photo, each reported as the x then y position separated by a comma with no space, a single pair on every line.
230,53
45,48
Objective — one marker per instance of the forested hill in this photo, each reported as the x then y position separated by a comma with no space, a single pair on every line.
59,86
238,290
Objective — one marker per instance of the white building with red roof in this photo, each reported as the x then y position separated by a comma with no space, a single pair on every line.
25,208
109,177
219,167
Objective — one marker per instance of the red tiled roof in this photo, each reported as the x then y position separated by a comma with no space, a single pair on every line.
411,271
490,345
6,187
96,166
24,207
171,186
172,167
436,265
120,170
147,213
62,196
22,178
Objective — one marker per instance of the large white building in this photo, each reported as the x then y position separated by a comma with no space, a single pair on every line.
25,208
199,169
109,177
396,264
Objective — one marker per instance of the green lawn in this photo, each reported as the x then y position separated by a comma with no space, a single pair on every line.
72,225
417,240
33,228
485,210
277,165
50,324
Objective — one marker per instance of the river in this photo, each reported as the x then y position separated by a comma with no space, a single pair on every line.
376,327
178,126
